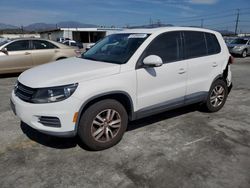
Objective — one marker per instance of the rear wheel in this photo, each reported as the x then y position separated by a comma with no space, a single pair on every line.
103,124
217,96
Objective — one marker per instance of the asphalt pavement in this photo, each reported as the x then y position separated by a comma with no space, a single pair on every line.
181,148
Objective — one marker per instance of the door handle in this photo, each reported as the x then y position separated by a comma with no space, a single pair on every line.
27,53
214,64
56,51
182,71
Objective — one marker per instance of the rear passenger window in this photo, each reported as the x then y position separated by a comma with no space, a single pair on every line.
167,46
195,44
40,44
213,46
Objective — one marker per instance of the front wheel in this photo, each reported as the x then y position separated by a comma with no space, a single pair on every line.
244,53
217,96
103,124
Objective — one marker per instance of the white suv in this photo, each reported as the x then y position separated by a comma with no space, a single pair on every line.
125,76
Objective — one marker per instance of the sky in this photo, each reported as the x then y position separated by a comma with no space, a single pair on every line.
214,14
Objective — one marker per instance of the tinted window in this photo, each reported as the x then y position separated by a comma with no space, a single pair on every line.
239,41
195,44
73,44
40,44
18,45
213,46
166,46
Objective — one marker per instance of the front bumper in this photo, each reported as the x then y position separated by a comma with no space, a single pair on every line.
30,113
235,51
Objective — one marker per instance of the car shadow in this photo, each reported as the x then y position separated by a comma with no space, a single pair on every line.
47,140
65,143
162,116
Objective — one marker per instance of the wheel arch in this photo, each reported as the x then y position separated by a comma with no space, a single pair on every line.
123,97
60,58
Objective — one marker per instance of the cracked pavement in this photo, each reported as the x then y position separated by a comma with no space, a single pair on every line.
180,148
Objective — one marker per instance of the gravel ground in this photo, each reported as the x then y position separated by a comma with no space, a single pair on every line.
180,148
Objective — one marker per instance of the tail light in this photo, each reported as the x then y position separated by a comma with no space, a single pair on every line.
231,60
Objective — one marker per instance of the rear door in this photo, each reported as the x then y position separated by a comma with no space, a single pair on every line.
18,57
204,64
165,85
43,51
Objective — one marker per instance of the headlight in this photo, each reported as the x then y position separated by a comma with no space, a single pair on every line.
238,47
53,94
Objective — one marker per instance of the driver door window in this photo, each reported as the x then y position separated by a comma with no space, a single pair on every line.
19,56
18,46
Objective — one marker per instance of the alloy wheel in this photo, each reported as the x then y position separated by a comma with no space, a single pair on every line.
106,125
217,96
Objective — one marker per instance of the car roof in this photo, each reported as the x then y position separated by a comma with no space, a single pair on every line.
60,45
166,29
15,39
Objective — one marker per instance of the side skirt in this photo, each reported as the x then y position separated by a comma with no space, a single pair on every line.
170,105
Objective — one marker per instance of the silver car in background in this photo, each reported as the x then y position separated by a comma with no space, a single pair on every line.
239,46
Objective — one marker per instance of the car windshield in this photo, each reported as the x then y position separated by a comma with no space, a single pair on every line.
116,48
239,41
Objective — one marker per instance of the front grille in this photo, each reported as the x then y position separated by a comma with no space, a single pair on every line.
23,92
49,121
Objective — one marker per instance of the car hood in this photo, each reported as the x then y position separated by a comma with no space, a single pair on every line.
67,71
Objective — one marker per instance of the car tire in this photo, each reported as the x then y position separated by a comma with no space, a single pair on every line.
103,124
244,53
217,96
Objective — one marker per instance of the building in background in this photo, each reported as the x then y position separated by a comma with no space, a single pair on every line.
83,35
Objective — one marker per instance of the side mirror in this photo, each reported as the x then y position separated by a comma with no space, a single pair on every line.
152,61
5,51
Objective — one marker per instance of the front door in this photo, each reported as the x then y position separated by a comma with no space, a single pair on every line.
18,57
165,85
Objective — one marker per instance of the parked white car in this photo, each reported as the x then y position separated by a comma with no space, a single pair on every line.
125,76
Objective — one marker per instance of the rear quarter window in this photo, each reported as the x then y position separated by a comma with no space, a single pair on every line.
213,46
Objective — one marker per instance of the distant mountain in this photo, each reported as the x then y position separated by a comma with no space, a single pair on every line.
39,27
72,24
45,26
6,26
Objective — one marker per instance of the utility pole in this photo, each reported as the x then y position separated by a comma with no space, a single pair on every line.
202,20
150,21
237,21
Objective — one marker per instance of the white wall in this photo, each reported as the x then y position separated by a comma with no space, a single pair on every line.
68,34
52,35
